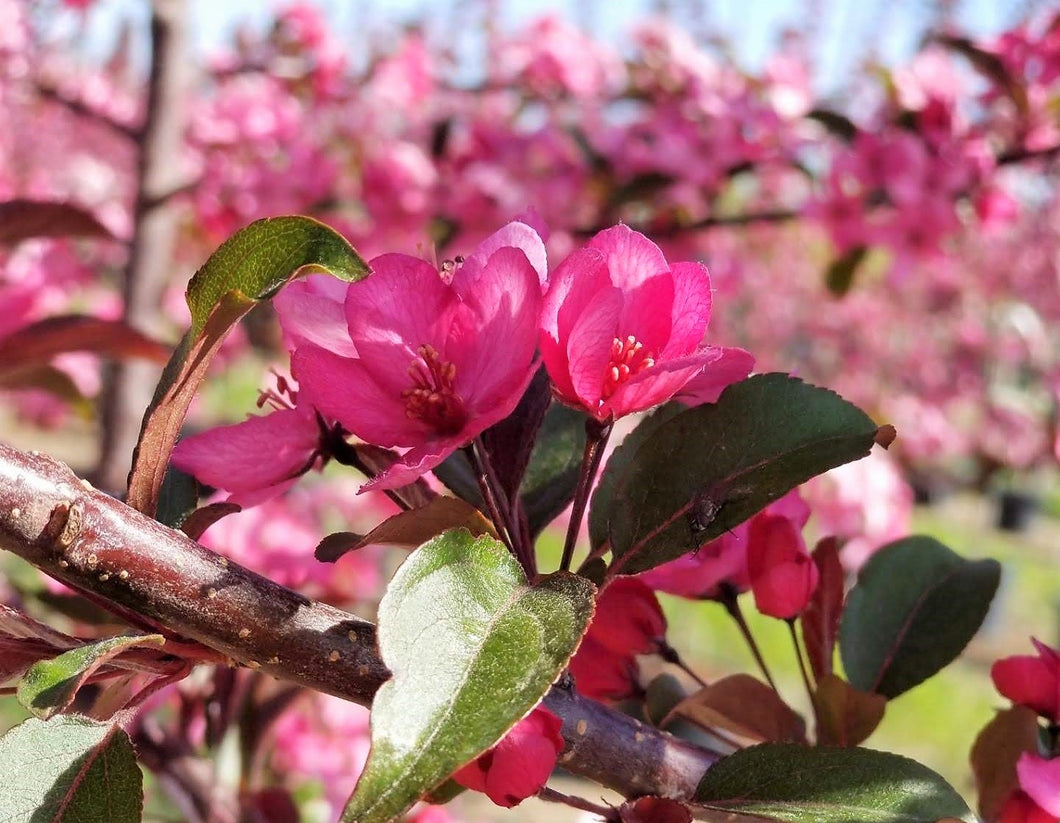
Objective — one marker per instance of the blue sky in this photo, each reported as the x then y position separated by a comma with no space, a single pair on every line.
846,30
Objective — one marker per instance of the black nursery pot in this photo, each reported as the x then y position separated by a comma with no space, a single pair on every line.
1015,510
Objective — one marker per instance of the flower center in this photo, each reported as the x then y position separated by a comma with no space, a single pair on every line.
628,357
431,397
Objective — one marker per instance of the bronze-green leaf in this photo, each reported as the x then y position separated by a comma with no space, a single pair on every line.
473,649
50,685
250,266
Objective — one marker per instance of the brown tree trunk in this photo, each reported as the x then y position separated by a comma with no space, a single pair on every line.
130,385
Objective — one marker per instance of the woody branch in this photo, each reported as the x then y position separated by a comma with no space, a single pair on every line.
123,559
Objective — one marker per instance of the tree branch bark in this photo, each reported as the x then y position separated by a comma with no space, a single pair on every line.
130,385
94,543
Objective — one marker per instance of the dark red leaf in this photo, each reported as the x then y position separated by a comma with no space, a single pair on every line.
41,341
26,219
820,619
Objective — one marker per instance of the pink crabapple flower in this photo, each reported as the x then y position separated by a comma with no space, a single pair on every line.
1029,681
1020,808
702,574
621,328
783,575
440,356
261,457
520,764
1040,779
256,459
628,621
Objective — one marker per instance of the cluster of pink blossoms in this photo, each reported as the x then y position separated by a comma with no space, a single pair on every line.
425,359
1034,682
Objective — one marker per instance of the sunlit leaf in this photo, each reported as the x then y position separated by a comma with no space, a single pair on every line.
473,649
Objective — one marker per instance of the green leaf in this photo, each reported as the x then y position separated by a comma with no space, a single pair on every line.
258,260
250,266
839,276
69,770
50,685
619,462
913,610
473,649
788,782
555,462
709,468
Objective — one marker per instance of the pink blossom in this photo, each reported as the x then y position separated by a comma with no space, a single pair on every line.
520,764
312,311
1031,681
323,739
731,366
1040,779
628,621
601,674
621,327
440,356
783,575
1020,808
867,503
255,459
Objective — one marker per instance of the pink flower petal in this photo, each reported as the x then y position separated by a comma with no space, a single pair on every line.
342,389
589,347
691,308
516,235
506,301
388,325
312,310
572,289
631,257
657,384
414,463
1040,779
729,366
257,454
646,313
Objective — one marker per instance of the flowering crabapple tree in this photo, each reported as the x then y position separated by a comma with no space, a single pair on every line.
484,670
224,626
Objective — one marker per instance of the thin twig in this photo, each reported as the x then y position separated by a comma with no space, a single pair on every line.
507,511
596,435
608,813
670,655
802,663
492,502
732,606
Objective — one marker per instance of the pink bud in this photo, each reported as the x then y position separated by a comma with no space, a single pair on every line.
520,765
783,575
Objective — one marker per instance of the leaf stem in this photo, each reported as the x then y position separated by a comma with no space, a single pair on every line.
670,655
552,796
732,606
802,662
509,510
493,500
596,435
